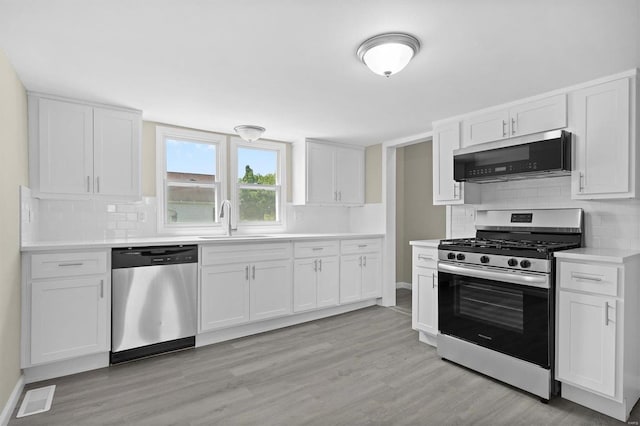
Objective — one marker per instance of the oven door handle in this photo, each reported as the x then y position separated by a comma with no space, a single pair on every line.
539,281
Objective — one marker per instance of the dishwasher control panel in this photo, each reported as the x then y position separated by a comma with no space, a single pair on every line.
149,256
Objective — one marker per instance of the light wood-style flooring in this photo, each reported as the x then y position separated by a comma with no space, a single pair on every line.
361,368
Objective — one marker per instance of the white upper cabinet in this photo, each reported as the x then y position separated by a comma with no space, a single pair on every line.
518,120
116,146
446,139
66,159
83,150
326,173
601,118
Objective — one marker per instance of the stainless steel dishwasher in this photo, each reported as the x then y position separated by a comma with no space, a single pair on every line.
153,300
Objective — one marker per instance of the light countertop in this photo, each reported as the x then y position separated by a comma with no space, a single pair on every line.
173,240
598,254
425,243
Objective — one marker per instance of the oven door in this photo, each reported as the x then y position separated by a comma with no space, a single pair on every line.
513,318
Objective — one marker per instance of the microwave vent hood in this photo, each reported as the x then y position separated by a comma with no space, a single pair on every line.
532,157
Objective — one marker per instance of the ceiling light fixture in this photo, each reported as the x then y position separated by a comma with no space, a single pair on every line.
249,133
387,54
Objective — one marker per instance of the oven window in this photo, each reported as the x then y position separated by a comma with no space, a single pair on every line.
492,305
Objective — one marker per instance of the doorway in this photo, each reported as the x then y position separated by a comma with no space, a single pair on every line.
416,216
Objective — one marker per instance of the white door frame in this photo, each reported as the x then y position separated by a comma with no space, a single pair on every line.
389,201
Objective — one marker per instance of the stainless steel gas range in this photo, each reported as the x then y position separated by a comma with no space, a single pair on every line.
496,295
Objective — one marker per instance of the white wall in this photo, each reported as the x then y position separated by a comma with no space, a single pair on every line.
608,224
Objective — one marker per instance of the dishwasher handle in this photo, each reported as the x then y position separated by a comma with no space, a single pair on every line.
133,257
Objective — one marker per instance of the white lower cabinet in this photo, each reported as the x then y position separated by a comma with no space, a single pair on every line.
243,282
66,309
587,341
316,283
597,338
270,289
360,270
424,291
224,295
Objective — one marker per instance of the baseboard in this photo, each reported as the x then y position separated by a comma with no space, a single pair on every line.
404,285
11,404
66,367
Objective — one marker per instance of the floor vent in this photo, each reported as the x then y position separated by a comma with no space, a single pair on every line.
36,401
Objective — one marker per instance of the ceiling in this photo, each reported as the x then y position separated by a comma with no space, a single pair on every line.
290,65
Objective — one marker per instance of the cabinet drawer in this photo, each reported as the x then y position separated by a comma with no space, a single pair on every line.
360,246
315,248
244,253
52,265
600,279
425,257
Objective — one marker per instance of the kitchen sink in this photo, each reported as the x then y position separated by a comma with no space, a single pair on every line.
234,237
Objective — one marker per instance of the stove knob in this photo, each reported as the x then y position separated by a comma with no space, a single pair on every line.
460,256
484,259
525,263
451,256
512,262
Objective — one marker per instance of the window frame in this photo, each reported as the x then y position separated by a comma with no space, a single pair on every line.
220,184
280,187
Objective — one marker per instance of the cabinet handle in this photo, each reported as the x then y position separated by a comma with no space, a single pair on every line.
317,248
504,128
606,313
364,261
70,264
433,280
320,263
423,257
88,184
360,263
513,126
246,273
585,277
253,272
581,182
339,195
97,183
315,266
101,289
362,245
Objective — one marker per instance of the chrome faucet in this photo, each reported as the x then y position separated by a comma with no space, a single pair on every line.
227,216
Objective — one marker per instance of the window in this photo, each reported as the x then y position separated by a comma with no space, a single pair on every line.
190,178
257,180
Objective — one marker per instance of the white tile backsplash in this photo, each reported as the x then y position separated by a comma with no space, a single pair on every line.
608,223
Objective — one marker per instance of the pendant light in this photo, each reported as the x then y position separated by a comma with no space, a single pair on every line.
387,54
249,133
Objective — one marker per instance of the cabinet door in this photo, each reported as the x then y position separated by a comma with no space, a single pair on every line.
270,289
69,318
116,136
65,147
427,301
587,341
224,296
321,173
486,127
350,278
600,118
371,273
445,140
350,175
539,116
304,284
328,281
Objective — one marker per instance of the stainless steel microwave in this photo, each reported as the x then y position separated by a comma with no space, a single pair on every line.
547,156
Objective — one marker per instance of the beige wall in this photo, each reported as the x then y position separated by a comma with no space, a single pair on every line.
13,173
373,174
416,216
